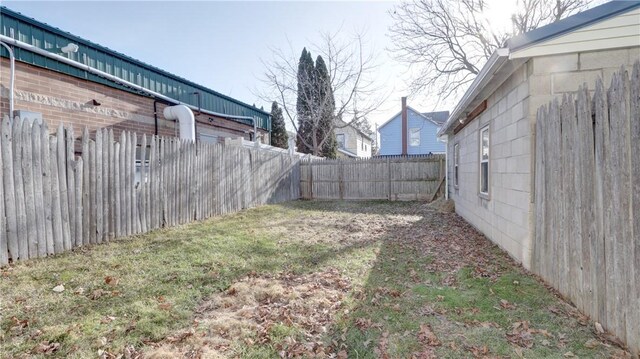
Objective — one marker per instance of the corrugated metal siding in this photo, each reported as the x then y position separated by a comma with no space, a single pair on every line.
28,30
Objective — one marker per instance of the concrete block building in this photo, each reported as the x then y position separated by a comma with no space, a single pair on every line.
60,77
491,132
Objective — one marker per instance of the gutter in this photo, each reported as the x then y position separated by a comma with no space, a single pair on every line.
493,65
105,75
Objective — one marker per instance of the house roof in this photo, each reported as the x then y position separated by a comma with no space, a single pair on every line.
437,118
347,153
344,124
499,66
571,23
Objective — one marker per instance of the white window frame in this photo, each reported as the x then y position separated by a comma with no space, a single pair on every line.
412,131
483,161
456,163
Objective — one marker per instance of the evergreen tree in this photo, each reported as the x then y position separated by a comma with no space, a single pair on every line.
304,102
279,136
325,106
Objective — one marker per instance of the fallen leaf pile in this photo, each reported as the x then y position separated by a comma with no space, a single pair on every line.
252,308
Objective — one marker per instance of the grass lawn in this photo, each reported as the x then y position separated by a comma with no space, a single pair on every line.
302,279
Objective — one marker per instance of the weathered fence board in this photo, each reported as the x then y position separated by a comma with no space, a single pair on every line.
86,189
23,250
9,189
4,249
587,202
633,326
52,199
58,246
398,178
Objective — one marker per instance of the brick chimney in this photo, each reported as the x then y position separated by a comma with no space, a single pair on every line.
405,126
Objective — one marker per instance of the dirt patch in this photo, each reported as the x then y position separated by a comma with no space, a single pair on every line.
290,312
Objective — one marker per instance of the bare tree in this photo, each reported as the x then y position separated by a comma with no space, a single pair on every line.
446,42
352,88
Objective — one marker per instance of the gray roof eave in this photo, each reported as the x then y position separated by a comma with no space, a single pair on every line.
571,23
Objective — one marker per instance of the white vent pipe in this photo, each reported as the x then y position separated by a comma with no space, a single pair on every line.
185,118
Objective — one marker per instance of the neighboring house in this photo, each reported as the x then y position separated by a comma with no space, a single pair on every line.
419,134
352,142
490,132
60,77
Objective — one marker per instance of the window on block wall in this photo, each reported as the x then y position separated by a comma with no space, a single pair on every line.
484,161
414,136
456,161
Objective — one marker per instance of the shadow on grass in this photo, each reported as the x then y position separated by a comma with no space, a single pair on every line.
441,274
155,283
401,278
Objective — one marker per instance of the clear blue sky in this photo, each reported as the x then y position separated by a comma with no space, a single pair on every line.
220,44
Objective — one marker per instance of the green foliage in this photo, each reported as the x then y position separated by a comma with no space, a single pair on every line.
326,106
279,136
304,102
315,108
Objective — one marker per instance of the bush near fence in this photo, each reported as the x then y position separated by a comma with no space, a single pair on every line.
52,201
587,202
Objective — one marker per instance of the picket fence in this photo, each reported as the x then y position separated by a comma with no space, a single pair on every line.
392,178
52,200
587,202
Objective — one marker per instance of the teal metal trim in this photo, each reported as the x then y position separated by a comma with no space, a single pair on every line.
49,38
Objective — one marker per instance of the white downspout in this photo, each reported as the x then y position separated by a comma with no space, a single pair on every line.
11,78
185,118
446,166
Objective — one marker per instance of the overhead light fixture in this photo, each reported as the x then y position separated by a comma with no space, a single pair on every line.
71,47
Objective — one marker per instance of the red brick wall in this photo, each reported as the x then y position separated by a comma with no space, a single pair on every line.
66,99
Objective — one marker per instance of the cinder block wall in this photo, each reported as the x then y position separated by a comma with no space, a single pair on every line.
506,217
503,216
553,76
66,99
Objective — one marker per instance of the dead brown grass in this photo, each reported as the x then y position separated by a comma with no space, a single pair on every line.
305,305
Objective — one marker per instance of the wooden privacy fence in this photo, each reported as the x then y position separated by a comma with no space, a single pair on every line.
587,202
52,200
392,178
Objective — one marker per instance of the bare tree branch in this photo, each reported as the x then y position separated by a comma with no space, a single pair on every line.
448,41
352,71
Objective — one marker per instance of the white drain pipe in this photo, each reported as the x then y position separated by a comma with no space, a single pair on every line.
185,118
11,78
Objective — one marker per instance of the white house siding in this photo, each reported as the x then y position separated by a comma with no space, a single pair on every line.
353,141
617,32
505,216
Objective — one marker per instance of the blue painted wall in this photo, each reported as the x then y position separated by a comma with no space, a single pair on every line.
391,136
